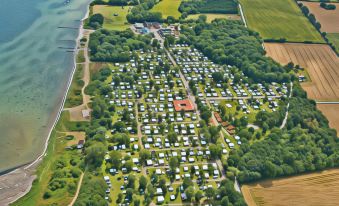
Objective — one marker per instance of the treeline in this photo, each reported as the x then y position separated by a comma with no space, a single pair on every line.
310,16
115,2
229,42
142,13
115,46
306,144
327,6
209,6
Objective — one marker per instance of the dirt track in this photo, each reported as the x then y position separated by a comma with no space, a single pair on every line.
329,19
319,60
311,189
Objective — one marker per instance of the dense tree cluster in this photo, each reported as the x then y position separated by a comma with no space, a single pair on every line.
306,144
95,21
209,6
229,42
142,13
115,46
115,2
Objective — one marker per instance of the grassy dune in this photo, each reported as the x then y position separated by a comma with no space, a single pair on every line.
279,19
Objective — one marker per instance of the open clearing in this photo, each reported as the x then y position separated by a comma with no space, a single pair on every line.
331,112
111,21
319,188
168,8
279,19
211,17
319,60
329,19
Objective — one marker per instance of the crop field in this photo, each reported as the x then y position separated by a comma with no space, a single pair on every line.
279,20
319,188
114,16
319,60
168,8
327,18
331,112
334,39
211,17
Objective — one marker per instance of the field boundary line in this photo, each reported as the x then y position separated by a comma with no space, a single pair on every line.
242,15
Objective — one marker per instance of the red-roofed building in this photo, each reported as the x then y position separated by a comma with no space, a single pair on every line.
185,105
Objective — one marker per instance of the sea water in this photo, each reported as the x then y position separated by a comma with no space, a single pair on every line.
36,62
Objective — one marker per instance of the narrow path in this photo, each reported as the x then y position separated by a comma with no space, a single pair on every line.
76,112
78,190
288,106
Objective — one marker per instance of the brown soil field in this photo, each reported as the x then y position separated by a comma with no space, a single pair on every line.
331,111
319,60
321,188
329,19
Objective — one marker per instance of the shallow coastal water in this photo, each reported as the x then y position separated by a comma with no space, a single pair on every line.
36,61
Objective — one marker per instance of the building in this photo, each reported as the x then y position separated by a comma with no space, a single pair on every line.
185,105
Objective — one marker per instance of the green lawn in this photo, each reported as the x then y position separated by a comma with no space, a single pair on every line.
168,8
211,17
111,21
74,96
334,39
279,19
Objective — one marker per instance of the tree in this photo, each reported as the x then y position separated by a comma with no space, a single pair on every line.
189,193
144,155
95,155
116,159
143,183
210,192
119,126
131,181
172,137
215,151
218,77
198,195
173,163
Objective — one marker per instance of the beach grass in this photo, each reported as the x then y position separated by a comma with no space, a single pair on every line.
279,20
168,8
74,96
211,17
114,16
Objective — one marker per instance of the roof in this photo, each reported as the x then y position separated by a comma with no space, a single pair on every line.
185,105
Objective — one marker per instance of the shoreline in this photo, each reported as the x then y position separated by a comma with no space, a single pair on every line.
28,170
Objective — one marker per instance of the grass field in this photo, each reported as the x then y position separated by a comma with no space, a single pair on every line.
211,17
312,189
112,22
74,96
334,39
327,18
168,8
319,60
279,19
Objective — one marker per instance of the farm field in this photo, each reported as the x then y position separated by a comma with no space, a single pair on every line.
211,17
168,8
334,39
279,19
327,18
312,189
331,112
110,21
320,62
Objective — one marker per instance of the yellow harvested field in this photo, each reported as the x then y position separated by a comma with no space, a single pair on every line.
331,112
211,17
321,63
329,19
315,189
